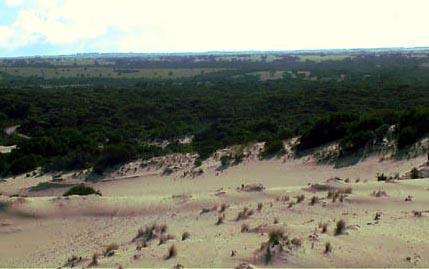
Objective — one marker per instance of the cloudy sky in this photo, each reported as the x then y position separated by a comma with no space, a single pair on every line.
46,27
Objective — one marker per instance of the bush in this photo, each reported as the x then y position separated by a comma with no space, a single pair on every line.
381,177
114,155
185,236
109,251
328,248
415,173
172,252
341,227
273,148
25,164
81,189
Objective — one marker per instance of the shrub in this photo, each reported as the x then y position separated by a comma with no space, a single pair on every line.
220,219
341,227
94,260
276,236
296,242
381,177
328,248
415,173
81,189
114,155
348,190
273,148
300,198
185,236
25,164
245,227
110,250
276,220
314,200
324,227
172,252
223,207
198,162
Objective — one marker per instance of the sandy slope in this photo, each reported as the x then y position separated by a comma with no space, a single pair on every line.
45,230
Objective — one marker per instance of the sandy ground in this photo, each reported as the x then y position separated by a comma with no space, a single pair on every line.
45,229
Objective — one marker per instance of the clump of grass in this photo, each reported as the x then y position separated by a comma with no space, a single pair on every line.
94,260
418,213
300,198
268,256
244,214
141,244
110,250
296,242
324,227
220,219
286,198
185,236
379,193
276,236
314,200
162,239
328,248
172,252
245,228
341,227
348,190
163,228
223,208
260,205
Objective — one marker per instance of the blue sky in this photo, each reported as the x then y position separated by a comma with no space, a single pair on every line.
53,27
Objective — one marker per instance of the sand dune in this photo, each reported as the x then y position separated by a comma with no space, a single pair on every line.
45,229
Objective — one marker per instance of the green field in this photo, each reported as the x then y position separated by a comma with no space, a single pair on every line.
320,58
106,72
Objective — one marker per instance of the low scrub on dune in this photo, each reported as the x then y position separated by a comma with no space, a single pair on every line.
82,189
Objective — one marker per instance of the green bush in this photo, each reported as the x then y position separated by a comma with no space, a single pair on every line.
415,173
81,189
25,164
114,155
273,148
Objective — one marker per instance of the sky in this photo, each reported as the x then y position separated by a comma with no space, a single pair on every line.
58,27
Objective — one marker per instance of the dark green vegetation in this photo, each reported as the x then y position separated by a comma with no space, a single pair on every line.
76,123
81,189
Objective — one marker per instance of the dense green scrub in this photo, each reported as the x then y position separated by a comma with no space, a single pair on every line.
108,124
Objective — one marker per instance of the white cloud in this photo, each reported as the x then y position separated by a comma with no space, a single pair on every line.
14,2
195,25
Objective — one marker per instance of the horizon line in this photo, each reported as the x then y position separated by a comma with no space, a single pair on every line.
220,52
